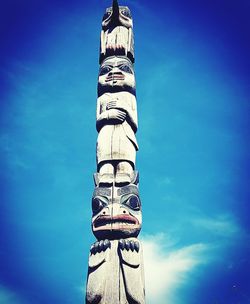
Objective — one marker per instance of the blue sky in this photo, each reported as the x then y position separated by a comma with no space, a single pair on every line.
192,73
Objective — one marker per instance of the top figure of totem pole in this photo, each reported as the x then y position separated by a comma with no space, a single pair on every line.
117,36
115,273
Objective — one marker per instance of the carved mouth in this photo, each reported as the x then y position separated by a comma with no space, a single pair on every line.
115,78
123,221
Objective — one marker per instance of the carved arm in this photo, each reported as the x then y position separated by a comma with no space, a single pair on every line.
131,112
110,116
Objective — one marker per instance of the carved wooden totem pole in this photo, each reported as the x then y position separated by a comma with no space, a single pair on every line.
115,269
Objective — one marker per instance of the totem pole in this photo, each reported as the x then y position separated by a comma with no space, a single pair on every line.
115,269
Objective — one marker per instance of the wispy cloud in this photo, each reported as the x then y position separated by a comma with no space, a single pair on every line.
168,270
8,296
223,225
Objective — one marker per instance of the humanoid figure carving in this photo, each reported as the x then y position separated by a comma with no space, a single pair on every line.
116,122
117,34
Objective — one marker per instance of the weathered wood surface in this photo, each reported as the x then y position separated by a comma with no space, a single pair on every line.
117,34
116,273
116,212
115,270
116,74
116,121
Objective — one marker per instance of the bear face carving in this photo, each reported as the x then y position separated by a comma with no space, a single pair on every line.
116,212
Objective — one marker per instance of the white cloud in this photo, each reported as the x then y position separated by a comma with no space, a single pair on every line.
223,225
167,270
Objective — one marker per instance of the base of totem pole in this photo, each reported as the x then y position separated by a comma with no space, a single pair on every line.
116,273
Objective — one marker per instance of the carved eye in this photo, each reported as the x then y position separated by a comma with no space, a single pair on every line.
126,13
106,15
133,202
125,68
105,70
98,204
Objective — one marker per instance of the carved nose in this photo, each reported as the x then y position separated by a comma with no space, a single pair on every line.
114,74
119,210
115,11
105,211
124,211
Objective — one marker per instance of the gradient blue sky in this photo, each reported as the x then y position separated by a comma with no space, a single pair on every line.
192,72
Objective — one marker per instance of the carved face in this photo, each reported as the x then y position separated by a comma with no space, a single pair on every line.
117,16
116,74
117,214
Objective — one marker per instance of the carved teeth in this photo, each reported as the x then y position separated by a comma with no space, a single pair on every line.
115,223
108,79
108,221
123,223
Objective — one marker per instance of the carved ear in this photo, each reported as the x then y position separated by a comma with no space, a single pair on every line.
135,178
96,179
97,259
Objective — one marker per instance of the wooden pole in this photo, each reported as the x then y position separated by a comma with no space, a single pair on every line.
115,269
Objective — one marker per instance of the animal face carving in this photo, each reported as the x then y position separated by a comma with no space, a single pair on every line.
117,36
117,16
116,212
116,74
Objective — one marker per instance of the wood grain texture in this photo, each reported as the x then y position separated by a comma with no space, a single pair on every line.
115,268
117,41
116,276
116,74
116,139
117,35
